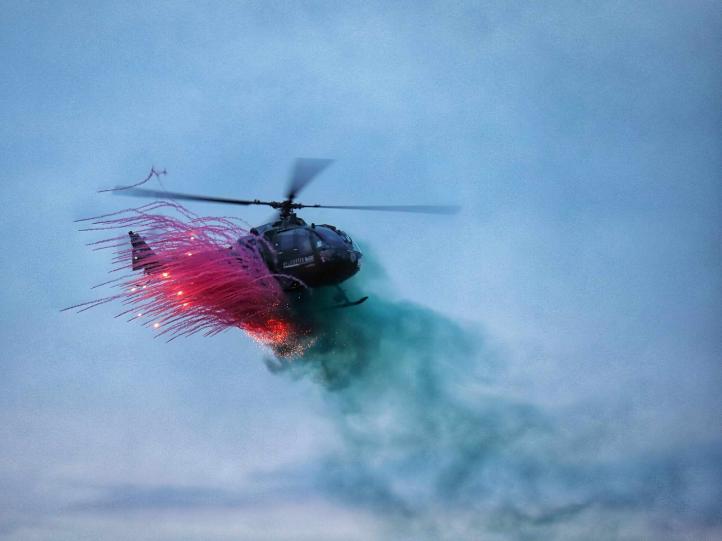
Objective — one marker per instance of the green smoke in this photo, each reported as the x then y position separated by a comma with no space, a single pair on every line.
412,395
434,447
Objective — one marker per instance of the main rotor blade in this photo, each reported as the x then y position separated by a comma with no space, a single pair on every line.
424,209
158,194
304,171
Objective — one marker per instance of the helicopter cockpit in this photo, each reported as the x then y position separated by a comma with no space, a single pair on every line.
317,255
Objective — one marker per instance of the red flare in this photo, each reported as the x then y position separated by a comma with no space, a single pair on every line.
197,277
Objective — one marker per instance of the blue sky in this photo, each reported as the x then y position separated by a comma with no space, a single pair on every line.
583,142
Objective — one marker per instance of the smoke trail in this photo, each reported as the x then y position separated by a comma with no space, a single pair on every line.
432,445
421,423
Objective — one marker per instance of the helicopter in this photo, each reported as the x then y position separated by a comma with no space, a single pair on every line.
298,254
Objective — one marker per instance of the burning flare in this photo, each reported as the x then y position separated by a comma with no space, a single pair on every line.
195,274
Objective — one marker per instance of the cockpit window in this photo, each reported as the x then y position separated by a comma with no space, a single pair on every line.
328,236
345,237
334,237
348,240
293,241
318,241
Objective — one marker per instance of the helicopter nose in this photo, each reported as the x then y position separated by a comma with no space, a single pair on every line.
353,260
351,256
343,264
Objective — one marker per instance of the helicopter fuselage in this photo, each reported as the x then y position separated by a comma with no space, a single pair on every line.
306,255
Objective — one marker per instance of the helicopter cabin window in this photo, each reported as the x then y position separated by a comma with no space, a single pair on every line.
348,240
318,239
344,236
328,237
295,241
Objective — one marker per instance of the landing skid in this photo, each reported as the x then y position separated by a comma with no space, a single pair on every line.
344,301
348,304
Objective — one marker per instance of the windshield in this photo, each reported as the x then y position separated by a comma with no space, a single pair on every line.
293,241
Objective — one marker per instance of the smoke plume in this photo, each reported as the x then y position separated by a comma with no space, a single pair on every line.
433,445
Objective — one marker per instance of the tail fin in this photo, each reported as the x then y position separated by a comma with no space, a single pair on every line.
143,257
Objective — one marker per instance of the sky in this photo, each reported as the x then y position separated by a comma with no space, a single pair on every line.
582,141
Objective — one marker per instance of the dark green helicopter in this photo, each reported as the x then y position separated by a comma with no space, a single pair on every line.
317,255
